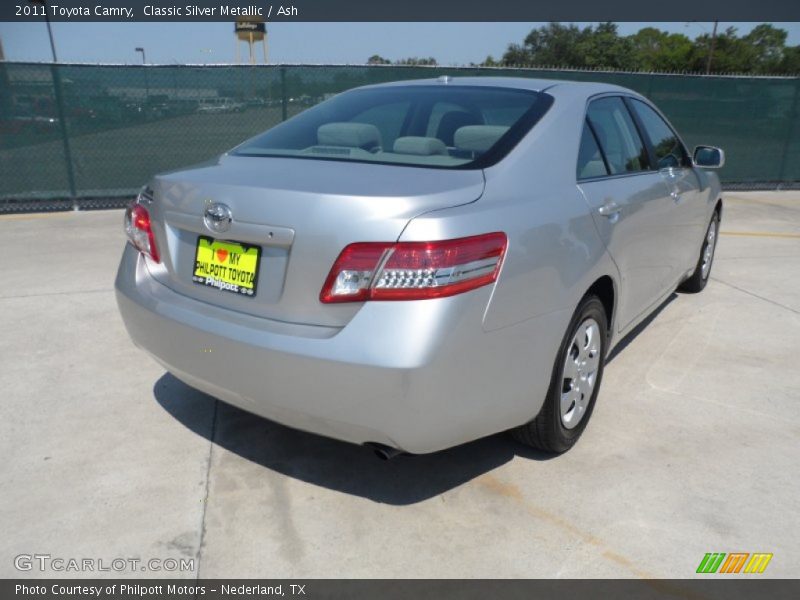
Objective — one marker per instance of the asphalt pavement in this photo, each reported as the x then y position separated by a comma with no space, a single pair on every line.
694,445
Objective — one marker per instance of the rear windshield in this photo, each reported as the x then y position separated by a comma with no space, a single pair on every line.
443,126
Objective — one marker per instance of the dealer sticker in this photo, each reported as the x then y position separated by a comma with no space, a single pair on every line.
227,266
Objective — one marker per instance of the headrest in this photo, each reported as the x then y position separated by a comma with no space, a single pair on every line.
452,121
422,146
351,135
478,138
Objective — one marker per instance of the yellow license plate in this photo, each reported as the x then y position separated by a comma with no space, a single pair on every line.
227,266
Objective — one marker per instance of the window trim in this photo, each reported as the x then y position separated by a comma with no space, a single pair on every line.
648,145
645,139
622,97
651,149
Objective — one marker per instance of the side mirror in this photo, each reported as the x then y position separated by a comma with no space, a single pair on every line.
708,157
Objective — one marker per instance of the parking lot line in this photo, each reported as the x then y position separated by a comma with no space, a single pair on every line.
39,215
774,234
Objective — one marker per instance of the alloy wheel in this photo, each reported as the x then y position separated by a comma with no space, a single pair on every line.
579,375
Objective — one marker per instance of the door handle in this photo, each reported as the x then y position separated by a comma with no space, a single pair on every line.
610,210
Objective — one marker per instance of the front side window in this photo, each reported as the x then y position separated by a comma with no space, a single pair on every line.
419,125
617,135
669,151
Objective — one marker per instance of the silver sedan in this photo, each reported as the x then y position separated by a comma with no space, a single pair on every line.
419,264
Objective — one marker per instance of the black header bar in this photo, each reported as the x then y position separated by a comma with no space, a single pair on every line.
745,587
401,10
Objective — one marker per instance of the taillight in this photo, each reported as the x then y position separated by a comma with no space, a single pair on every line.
140,230
414,270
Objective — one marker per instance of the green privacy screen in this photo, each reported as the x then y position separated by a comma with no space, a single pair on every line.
93,131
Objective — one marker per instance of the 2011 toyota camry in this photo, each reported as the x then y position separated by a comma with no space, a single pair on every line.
419,264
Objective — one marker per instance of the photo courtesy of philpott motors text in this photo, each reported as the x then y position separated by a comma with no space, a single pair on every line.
170,590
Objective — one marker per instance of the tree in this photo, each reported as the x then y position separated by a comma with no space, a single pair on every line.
656,50
377,59
731,53
768,45
763,50
791,60
603,48
554,45
430,61
557,45
515,56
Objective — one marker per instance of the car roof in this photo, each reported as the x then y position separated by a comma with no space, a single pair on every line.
561,87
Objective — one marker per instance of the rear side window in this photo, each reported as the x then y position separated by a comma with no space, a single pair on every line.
617,135
590,160
668,149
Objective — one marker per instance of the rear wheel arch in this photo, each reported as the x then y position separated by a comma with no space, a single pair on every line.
605,290
574,383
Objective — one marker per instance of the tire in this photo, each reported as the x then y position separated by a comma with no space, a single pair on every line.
697,281
551,430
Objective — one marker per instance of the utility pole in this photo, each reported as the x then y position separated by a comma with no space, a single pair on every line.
711,48
49,28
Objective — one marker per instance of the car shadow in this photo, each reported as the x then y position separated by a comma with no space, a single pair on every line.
634,333
340,466
330,463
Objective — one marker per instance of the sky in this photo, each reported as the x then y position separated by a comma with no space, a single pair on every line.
354,43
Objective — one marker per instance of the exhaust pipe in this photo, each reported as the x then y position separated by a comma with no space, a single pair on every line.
384,452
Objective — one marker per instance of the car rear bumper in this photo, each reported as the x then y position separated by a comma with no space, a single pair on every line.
418,376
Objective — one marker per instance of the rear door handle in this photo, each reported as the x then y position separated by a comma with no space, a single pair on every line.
610,210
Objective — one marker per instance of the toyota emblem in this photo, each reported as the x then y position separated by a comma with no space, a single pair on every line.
217,217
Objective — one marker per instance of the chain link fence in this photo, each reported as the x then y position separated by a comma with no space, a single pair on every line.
91,135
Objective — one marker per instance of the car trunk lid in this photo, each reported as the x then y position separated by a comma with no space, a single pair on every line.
301,213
